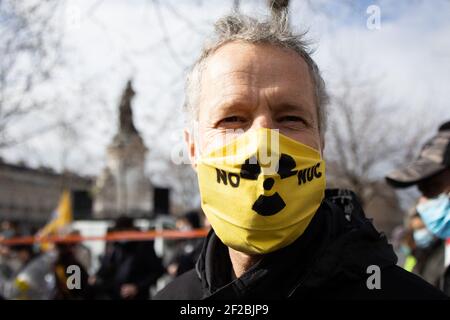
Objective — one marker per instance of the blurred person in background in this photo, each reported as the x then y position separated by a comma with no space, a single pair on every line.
45,275
37,279
81,252
9,228
428,251
20,256
66,257
8,265
402,250
128,269
6,270
187,251
430,172
34,278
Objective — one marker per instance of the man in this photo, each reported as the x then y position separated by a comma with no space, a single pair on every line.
427,250
430,172
277,234
66,257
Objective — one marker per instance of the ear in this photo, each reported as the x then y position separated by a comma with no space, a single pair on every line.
190,143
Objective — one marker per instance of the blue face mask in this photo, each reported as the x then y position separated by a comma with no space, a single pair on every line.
435,214
423,238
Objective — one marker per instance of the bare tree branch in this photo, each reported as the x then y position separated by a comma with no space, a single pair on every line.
364,139
29,51
167,41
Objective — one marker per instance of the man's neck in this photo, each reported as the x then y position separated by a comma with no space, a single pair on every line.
241,262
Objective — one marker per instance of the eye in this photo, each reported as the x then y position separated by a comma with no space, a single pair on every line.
291,118
231,121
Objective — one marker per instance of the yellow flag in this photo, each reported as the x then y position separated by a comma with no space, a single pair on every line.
62,217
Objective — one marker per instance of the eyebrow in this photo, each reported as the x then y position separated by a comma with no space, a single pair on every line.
231,105
234,105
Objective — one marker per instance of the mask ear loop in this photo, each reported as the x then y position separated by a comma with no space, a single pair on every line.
321,139
320,149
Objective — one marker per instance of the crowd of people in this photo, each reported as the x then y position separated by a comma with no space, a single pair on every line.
128,270
276,232
131,269
421,241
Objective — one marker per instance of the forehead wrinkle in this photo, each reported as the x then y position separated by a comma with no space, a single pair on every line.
256,64
232,87
231,80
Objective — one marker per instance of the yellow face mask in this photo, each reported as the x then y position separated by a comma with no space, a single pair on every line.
261,191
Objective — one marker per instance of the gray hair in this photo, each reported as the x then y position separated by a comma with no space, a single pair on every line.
239,27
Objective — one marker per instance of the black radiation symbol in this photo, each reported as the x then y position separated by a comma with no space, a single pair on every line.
268,205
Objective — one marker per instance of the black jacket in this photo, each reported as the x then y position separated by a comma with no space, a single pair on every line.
329,261
430,262
186,255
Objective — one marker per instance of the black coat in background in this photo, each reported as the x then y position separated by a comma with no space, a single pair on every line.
129,262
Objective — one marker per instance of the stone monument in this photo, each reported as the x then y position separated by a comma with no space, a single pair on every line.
123,187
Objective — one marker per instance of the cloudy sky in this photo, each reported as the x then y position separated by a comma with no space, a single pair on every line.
154,42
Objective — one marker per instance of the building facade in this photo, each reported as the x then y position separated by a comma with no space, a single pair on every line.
29,196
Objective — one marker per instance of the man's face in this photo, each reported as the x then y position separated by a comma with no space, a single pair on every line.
434,186
247,87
